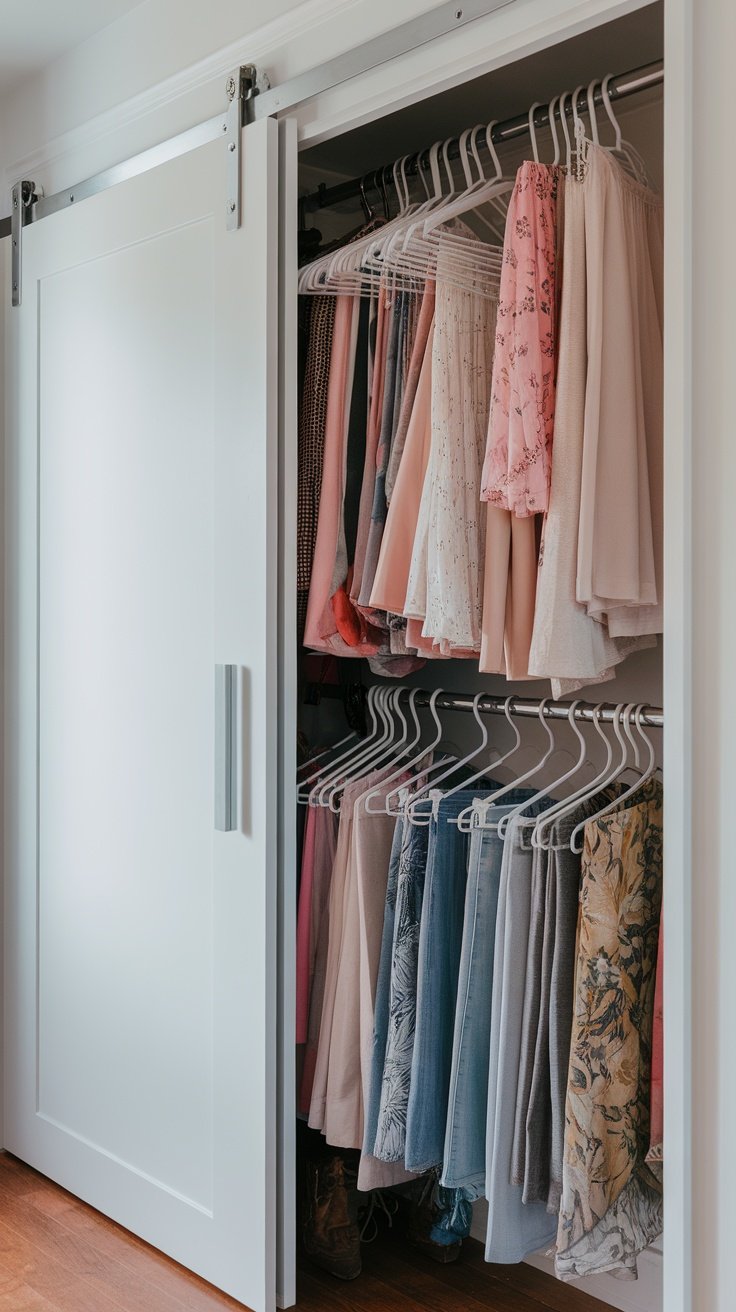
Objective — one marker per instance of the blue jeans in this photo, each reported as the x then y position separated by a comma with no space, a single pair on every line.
465,1135
440,942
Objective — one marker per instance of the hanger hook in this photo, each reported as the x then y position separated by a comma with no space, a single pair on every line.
606,96
553,127
565,129
533,131
491,147
591,112
544,720
446,161
465,156
383,189
367,208
511,722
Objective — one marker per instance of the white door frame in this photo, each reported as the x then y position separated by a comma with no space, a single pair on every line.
502,37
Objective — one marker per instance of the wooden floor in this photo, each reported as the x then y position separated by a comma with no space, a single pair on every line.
58,1255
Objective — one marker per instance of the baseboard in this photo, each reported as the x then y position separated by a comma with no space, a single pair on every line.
642,1295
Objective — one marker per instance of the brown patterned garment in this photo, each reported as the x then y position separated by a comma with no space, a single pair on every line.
312,417
611,1200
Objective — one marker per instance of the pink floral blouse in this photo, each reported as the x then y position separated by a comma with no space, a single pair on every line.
516,471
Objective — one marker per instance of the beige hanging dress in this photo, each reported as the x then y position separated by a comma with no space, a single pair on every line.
570,646
619,560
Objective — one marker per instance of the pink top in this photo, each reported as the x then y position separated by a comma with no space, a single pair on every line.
516,472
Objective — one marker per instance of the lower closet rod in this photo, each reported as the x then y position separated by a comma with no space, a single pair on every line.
527,707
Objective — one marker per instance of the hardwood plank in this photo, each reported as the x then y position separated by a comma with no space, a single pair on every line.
112,1241
25,1299
460,1284
368,1293
106,1275
64,1289
559,1295
57,1254
16,1175
148,1277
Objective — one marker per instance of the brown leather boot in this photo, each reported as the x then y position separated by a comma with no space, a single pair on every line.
331,1235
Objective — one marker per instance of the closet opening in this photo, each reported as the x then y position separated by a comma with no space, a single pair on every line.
480,689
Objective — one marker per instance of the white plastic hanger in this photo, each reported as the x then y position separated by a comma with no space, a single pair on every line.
305,785
490,193
547,724
419,761
481,811
578,834
566,130
628,153
381,756
482,192
346,759
424,818
533,130
555,784
579,135
468,250
311,784
340,272
553,127
468,262
463,820
570,804
400,773
354,764
376,253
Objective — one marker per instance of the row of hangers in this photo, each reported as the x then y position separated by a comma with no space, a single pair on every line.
395,739
407,248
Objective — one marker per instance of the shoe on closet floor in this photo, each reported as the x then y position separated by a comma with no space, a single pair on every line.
433,1222
331,1235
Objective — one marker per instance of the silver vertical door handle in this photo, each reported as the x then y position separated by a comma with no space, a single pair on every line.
225,747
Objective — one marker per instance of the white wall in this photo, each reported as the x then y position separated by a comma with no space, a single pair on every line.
160,68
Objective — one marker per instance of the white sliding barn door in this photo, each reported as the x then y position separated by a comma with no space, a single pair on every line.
140,939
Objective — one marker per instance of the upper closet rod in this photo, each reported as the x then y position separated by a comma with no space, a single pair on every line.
527,707
624,84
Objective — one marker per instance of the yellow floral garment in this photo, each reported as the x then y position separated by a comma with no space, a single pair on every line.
611,1204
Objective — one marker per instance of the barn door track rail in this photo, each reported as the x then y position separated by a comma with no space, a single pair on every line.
249,97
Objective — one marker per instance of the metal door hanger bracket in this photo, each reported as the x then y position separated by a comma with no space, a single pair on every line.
29,203
242,85
24,194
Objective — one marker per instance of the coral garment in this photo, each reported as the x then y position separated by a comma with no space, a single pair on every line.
321,632
394,562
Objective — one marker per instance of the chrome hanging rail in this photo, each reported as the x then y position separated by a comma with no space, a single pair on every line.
490,704
619,88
